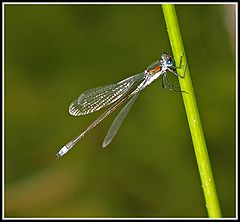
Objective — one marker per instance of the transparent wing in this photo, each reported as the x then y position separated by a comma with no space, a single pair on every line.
118,121
97,98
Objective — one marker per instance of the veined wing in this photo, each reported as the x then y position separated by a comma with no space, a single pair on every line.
118,120
97,98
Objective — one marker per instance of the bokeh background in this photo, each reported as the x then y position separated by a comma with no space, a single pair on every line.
55,52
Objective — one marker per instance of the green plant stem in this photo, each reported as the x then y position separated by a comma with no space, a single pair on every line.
191,108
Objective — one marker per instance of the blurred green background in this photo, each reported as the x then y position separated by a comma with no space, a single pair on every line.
55,52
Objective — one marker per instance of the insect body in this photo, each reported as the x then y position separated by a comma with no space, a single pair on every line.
115,95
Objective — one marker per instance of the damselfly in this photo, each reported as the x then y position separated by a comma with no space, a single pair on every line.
116,94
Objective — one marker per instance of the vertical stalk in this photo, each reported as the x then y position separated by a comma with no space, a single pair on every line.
191,108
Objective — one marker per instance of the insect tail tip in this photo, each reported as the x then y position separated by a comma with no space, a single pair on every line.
57,156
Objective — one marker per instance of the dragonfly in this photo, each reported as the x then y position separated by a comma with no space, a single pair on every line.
116,94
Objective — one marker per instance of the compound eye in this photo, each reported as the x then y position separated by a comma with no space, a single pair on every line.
164,55
169,62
